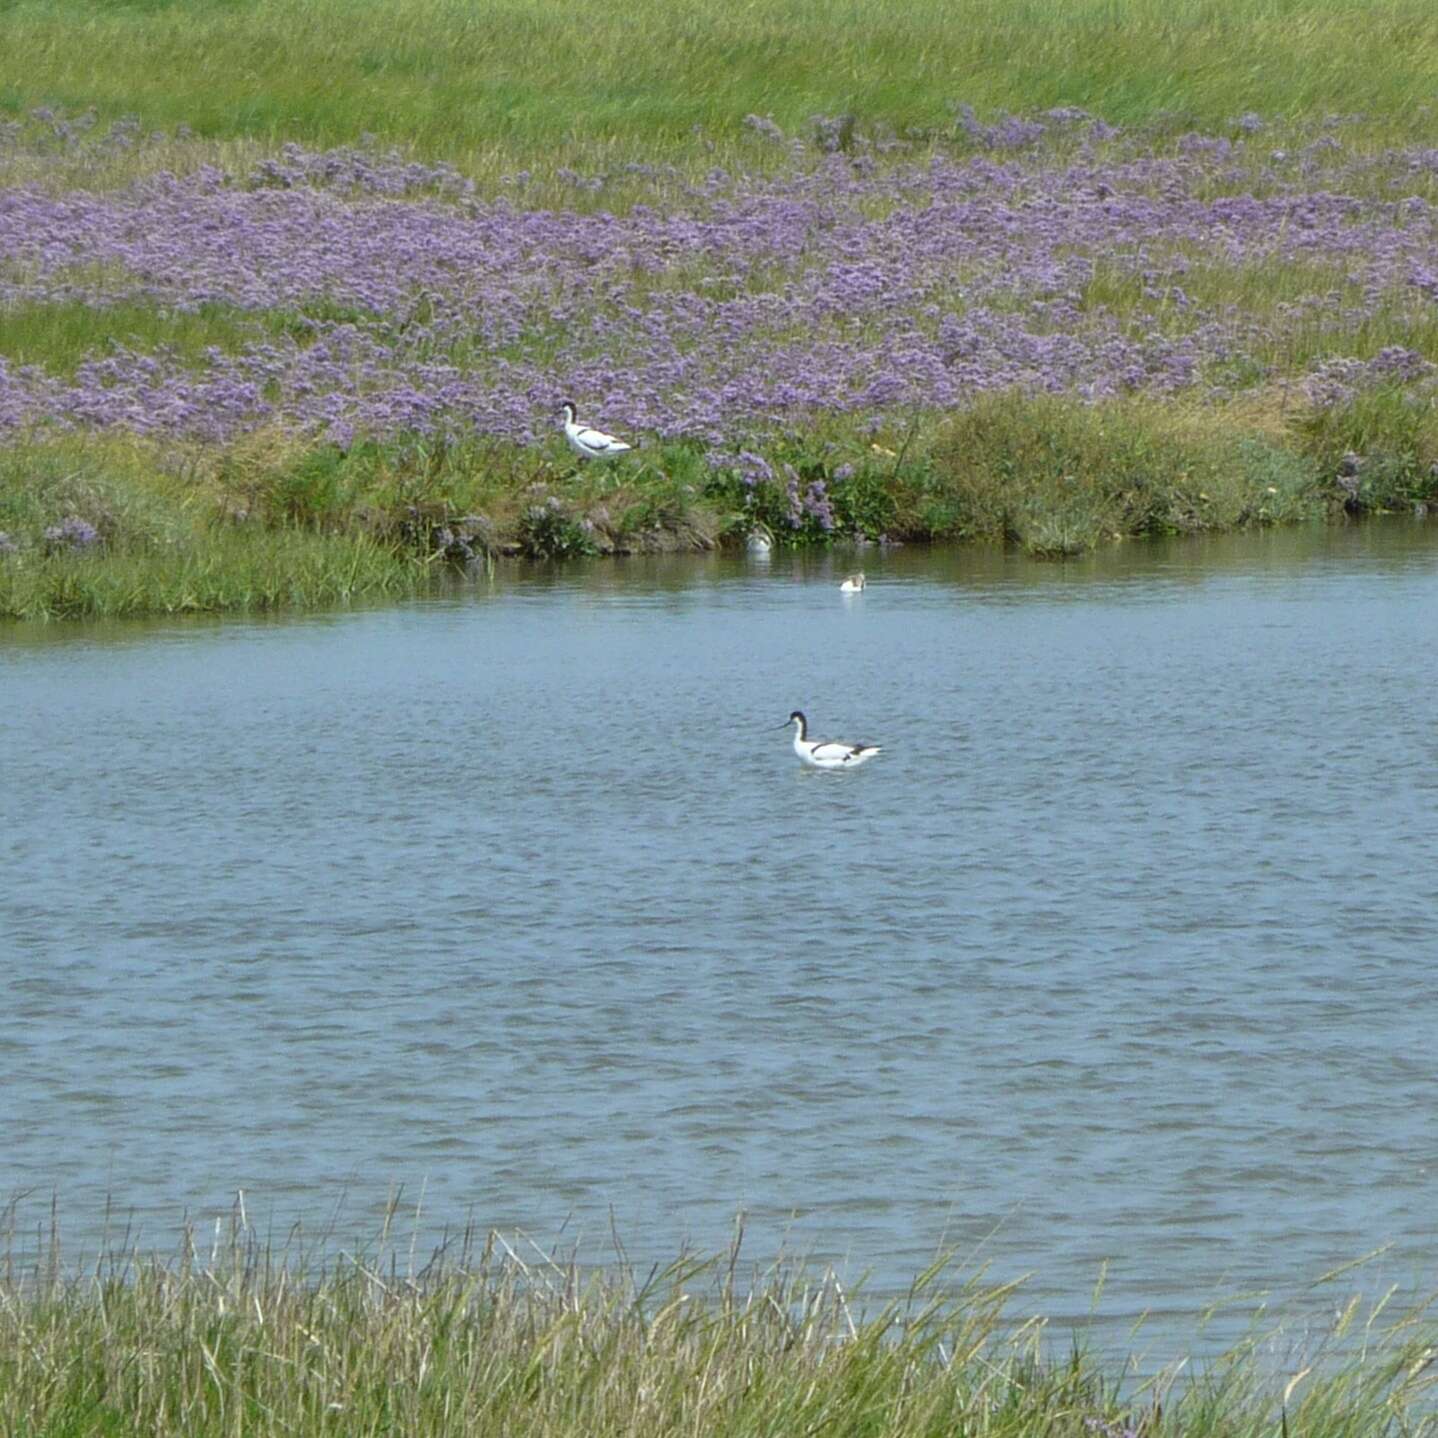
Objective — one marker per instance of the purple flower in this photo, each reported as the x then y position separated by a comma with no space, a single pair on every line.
71,533
833,133
817,505
753,468
764,126
366,296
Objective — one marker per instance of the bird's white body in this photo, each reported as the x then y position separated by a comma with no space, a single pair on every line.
759,542
853,584
591,443
828,753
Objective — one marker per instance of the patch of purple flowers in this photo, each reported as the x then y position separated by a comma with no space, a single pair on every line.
1011,132
388,298
71,533
1105,1429
765,127
753,468
359,170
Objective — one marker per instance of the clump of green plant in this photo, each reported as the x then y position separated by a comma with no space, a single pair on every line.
1378,448
546,530
219,569
422,493
97,491
802,498
109,526
1056,476
865,495
318,490
657,502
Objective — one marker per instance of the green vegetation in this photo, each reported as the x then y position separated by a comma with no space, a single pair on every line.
61,336
113,526
489,1341
529,83
100,529
495,1342
212,573
1056,477
271,522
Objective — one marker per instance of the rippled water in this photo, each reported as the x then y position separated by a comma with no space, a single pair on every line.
1122,952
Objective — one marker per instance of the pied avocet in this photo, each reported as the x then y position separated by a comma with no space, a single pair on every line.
591,443
826,753
853,584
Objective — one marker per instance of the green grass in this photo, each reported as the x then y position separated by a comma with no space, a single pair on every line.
216,572
274,522
62,336
522,82
488,1340
170,544
1057,478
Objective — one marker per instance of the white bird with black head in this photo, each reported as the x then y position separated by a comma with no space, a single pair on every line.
590,443
826,753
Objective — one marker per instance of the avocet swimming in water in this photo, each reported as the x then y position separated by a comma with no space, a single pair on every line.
591,443
826,753
853,584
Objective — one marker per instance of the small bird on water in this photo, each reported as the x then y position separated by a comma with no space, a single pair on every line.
853,584
826,753
590,443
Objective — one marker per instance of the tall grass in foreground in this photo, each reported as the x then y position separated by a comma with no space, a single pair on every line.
591,82
488,1340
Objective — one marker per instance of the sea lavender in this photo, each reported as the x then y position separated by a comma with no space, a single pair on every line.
818,506
385,299
765,127
753,468
72,533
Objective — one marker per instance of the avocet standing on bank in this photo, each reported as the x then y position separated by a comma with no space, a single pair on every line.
826,753
591,443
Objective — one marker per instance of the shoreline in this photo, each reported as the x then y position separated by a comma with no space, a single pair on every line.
121,526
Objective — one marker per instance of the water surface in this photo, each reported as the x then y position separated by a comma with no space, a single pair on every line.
1119,955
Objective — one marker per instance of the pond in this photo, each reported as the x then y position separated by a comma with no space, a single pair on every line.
1115,962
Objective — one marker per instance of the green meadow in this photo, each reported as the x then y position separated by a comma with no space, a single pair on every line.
533,81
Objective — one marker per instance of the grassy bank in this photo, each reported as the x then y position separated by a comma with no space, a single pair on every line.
526,81
101,526
240,1339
